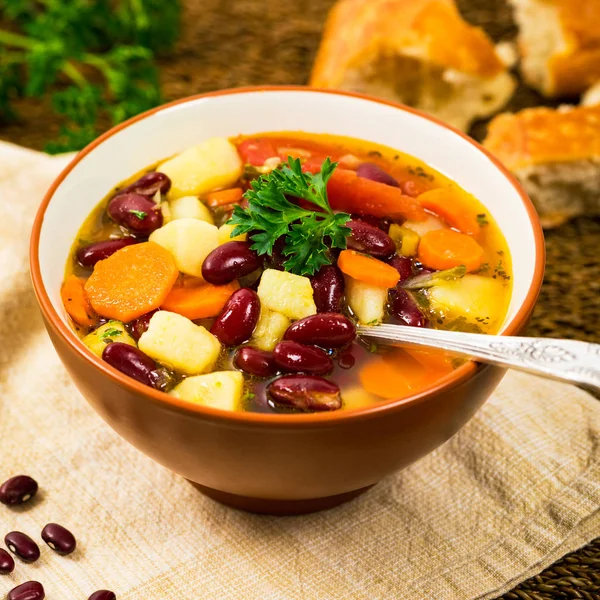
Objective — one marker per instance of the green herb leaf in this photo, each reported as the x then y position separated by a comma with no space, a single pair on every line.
482,220
430,279
308,234
110,332
140,214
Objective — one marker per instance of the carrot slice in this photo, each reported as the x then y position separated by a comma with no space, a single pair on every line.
349,192
401,373
367,269
222,197
199,302
450,206
394,376
446,248
132,282
76,302
432,360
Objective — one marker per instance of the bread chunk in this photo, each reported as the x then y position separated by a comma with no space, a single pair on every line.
559,41
418,52
556,156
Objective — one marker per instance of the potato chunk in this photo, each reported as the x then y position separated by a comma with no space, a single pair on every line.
222,389
215,163
480,300
113,331
190,207
366,301
179,344
269,330
190,241
225,235
286,293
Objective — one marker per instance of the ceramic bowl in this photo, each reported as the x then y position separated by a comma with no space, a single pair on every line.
266,462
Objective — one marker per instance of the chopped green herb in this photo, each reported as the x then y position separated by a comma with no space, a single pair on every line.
430,279
484,269
249,396
375,153
140,214
308,234
111,332
482,219
373,322
373,348
500,253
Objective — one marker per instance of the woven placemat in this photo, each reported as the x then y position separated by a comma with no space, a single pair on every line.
229,43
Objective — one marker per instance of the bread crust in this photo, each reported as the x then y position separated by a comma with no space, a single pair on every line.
541,135
575,65
357,31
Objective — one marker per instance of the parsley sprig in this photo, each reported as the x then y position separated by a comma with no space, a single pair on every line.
308,234
94,57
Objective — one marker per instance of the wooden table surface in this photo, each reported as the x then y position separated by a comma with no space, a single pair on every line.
231,43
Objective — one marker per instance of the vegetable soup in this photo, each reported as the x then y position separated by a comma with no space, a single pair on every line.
233,274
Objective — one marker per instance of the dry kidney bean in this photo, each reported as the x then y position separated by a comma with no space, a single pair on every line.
405,310
31,590
88,256
329,330
403,265
140,325
7,564
305,392
230,261
135,212
131,361
376,173
238,319
149,184
103,595
255,362
22,545
298,358
328,289
60,539
18,489
369,239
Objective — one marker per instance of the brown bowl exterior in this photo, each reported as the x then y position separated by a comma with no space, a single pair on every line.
271,468
281,464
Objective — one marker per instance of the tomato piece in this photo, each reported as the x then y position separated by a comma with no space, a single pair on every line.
255,151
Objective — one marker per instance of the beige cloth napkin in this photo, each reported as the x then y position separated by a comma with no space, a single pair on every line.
516,489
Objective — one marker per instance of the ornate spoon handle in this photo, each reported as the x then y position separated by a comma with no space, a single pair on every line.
564,360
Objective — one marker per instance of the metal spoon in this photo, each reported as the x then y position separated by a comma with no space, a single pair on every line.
565,360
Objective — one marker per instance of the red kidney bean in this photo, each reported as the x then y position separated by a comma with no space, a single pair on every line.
346,359
329,330
255,362
305,392
135,212
230,261
89,255
298,358
131,361
22,545
405,310
18,489
380,223
238,319
103,595
403,265
31,590
140,325
328,289
370,240
376,173
149,184
60,539
7,564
